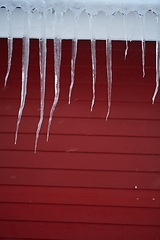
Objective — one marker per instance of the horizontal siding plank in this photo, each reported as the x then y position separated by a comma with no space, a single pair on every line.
85,144
72,178
80,196
83,74
121,92
80,214
8,238
82,109
77,231
61,125
81,161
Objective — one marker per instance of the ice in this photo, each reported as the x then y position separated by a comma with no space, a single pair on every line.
143,56
157,70
10,49
10,46
109,63
58,9
42,63
125,34
73,62
93,55
25,62
57,64
142,22
73,58
109,72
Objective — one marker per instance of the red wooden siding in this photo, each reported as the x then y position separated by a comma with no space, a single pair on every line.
94,179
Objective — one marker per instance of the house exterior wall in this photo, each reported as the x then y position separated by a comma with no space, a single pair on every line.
94,179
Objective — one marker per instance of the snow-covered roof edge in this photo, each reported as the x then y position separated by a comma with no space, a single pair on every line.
91,6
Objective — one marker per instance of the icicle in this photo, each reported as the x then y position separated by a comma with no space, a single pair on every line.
74,56
109,63
143,56
25,62
109,72
142,20
125,34
157,63
93,57
10,46
42,63
157,70
57,63
93,53
73,62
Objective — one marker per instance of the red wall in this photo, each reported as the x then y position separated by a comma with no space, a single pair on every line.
94,179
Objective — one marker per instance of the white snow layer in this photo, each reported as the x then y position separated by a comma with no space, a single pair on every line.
91,6
57,10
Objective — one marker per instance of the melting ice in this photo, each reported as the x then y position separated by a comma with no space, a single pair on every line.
142,23
73,63
10,45
125,34
25,62
93,56
57,64
57,49
42,64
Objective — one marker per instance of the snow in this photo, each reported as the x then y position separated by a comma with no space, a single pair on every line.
91,6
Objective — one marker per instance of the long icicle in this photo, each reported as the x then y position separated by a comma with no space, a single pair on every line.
57,63
10,46
142,20
157,70
143,56
93,55
42,64
125,34
25,62
109,72
73,62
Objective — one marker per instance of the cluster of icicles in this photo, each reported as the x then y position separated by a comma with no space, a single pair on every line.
57,64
